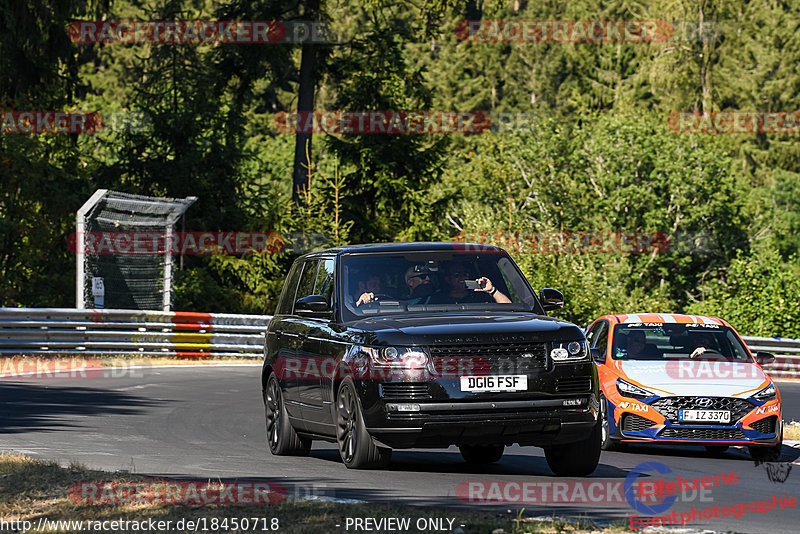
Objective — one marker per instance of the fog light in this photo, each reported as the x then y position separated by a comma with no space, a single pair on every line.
559,354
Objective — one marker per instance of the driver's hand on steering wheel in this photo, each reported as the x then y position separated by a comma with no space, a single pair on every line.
698,351
365,298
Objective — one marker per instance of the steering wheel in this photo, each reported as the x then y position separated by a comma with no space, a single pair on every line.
376,298
714,354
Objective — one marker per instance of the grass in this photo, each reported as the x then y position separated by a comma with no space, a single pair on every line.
792,431
32,489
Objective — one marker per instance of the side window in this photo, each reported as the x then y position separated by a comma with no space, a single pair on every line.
307,280
592,332
286,300
601,340
324,285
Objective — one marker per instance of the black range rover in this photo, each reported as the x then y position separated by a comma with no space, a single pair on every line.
406,345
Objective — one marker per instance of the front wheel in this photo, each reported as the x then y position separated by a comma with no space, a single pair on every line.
281,437
481,454
577,459
606,443
356,447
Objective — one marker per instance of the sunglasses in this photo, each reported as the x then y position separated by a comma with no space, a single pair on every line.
421,276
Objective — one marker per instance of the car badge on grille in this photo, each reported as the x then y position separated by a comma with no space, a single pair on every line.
527,355
704,402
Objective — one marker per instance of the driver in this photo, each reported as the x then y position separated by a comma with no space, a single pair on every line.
418,280
456,291
369,288
702,342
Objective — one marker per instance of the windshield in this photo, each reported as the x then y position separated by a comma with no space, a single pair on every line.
656,341
432,282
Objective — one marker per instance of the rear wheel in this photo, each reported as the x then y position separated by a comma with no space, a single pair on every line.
577,459
481,454
356,447
281,437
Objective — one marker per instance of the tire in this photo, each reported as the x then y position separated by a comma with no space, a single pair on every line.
281,436
766,454
481,454
716,449
577,459
356,447
606,443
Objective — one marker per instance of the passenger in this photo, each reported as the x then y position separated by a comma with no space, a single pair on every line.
636,344
456,291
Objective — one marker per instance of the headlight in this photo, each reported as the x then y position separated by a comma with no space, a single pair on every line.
397,356
766,394
570,351
626,389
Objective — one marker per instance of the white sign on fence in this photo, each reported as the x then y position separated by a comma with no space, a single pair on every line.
98,292
98,287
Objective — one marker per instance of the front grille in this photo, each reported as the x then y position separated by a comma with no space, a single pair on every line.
575,384
703,433
496,358
635,423
766,425
669,406
404,390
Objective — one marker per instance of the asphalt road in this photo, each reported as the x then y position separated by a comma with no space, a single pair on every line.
207,423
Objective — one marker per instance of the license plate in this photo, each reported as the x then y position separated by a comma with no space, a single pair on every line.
481,384
711,416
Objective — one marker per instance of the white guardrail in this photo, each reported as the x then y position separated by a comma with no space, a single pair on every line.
189,334
41,331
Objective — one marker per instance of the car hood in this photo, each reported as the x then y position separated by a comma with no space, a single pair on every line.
706,378
456,328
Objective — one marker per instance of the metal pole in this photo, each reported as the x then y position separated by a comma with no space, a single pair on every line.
80,256
166,301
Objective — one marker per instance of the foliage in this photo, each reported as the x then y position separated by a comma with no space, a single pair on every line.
594,153
758,296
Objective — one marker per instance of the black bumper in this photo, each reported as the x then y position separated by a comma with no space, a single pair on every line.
444,424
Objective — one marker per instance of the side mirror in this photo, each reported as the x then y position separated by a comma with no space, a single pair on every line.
764,358
552,299
597,355
312,306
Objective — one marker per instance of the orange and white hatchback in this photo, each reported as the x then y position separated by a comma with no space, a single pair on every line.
683,379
